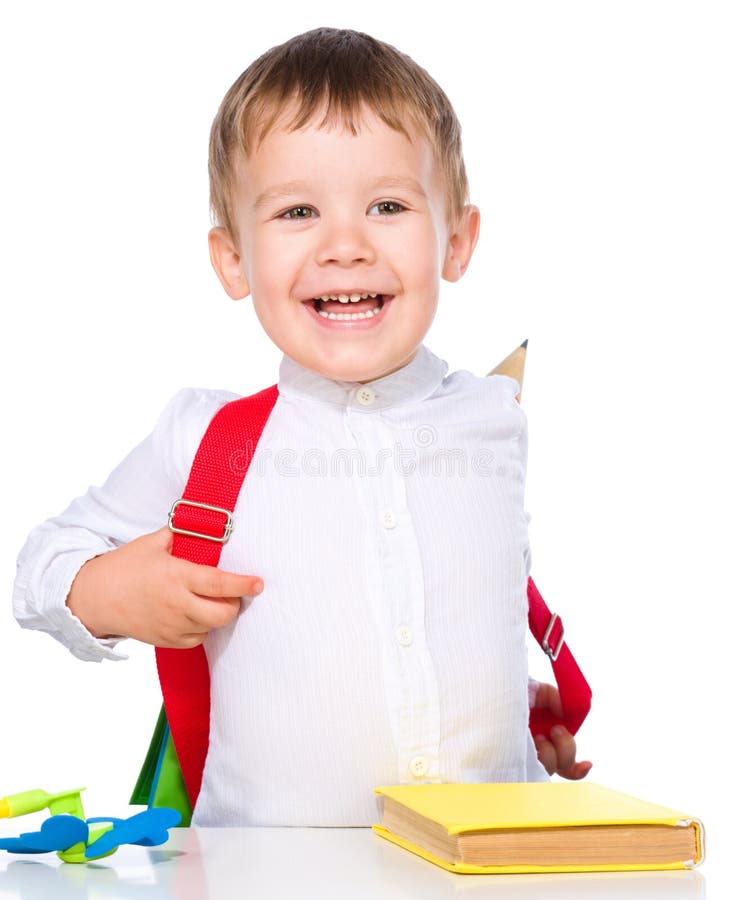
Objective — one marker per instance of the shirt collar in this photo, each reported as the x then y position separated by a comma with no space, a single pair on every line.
412,383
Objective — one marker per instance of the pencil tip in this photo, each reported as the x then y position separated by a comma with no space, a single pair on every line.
525,343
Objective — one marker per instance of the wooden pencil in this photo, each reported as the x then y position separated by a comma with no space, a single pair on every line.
513,365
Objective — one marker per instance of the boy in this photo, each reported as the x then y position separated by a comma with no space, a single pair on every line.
388,643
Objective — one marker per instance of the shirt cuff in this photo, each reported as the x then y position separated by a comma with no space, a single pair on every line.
57,619
81,642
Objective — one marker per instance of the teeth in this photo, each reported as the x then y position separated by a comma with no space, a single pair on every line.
370,314
345,298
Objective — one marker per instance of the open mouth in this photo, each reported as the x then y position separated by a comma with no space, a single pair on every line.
349,307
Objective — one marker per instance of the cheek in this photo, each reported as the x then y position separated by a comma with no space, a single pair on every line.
419,256
274,264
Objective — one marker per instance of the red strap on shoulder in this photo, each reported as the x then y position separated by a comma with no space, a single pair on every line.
216,476
574,691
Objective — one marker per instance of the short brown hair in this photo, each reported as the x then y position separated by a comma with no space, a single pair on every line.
344,70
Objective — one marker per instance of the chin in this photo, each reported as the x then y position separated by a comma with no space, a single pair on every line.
344,371
350,375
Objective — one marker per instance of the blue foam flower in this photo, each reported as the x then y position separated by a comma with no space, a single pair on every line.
148,828
57,833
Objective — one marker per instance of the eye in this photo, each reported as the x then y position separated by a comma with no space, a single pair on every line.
388,207
298,212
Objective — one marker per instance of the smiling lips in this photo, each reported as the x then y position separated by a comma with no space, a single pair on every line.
349,306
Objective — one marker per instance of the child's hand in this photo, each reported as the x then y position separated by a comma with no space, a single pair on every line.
141,591
557,750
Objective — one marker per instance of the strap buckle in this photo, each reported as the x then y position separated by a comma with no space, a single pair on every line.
552,652
228,525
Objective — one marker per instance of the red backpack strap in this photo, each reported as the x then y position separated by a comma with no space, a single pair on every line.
202,521
574,691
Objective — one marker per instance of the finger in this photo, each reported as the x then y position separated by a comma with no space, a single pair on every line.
206,613
577,771
209,581
182,642
163,538
546,754
565,746
549,698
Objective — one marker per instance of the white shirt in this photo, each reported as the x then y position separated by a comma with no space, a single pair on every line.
388,645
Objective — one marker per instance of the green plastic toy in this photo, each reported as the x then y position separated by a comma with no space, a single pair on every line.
75,838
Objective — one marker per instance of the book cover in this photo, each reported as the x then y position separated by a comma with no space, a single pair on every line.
538,827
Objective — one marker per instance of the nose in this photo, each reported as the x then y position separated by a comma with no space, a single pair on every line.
345,242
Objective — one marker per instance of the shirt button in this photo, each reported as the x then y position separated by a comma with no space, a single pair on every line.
418,766
388,519
365,396
404,636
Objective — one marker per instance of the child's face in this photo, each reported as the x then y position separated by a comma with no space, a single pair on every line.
325,212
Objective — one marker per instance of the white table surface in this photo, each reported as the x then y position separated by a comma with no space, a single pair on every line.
302,863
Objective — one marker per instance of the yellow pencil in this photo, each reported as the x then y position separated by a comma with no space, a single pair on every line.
513,365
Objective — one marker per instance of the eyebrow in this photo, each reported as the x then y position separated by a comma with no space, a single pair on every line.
289,188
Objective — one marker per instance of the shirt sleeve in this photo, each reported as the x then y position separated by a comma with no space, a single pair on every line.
527,551
134,500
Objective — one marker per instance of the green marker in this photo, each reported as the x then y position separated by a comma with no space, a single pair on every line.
69,802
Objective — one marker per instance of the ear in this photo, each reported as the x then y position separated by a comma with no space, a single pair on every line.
226,261
461,244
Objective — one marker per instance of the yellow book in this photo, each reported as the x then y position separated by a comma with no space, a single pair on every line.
537,827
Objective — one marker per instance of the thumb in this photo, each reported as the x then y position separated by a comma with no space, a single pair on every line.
163,538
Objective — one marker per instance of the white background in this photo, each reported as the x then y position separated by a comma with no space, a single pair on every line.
599,145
